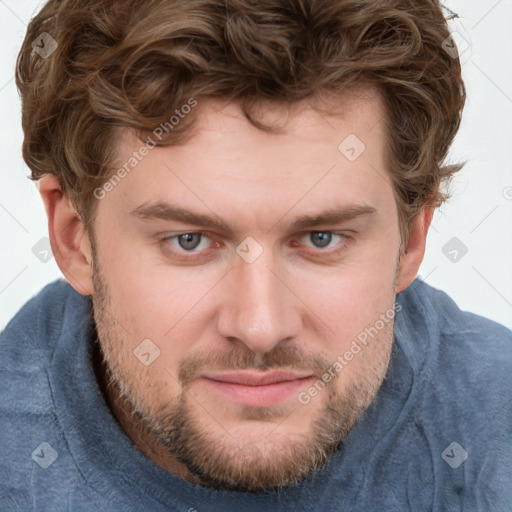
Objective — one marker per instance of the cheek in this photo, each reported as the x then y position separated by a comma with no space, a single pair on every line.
152,305
148,294
352,295
350,303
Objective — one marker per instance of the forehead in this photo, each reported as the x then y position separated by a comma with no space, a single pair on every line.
324,120
325,153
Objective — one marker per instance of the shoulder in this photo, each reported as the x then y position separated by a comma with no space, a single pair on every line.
28,344
473,340
28,414
461,361
462,393
38,322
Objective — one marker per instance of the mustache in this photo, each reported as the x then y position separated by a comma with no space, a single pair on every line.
280,357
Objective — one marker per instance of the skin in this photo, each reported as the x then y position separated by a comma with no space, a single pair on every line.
298,306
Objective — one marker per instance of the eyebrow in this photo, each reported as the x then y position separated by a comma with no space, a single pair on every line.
165,211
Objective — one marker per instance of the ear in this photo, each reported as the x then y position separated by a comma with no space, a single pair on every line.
68,238
413,252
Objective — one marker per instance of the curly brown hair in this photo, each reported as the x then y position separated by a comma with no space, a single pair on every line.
131,63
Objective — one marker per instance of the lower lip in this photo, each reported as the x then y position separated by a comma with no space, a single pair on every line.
258,396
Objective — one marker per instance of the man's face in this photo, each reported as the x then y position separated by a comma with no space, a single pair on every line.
223,306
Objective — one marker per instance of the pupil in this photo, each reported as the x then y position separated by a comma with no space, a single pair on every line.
323,238
186,241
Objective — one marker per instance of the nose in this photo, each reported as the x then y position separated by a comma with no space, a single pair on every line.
260,309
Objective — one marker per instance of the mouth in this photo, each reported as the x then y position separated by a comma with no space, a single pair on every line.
257,389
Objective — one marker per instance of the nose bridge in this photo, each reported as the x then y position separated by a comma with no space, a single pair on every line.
261,311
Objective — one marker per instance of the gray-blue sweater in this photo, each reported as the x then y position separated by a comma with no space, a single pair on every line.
436,437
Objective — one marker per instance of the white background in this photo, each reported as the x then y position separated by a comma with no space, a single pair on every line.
479,213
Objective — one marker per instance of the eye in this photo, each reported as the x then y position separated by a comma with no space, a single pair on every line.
188,241
322,239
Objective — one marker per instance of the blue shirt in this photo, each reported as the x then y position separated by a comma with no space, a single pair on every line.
436,437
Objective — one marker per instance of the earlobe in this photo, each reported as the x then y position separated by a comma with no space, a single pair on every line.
413,252
68,238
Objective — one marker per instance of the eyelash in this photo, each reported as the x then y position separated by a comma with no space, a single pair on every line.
341,246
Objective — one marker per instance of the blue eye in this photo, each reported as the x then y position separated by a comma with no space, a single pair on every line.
188,241
322,239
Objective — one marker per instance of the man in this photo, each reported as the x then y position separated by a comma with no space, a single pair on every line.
238,196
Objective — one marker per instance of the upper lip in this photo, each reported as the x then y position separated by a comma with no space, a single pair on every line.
249,378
